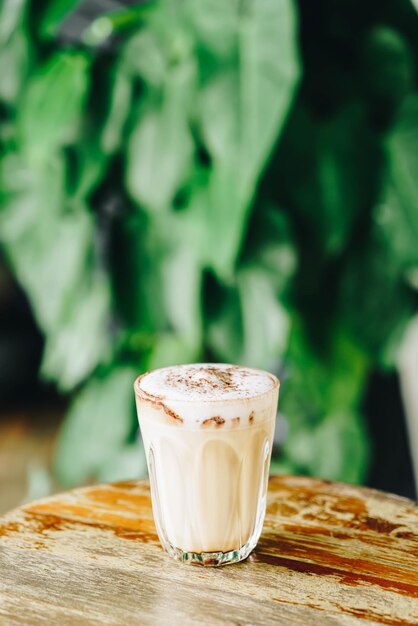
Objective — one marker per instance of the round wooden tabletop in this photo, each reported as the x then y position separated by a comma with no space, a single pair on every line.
329,554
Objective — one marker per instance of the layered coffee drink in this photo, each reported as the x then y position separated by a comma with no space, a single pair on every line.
208,431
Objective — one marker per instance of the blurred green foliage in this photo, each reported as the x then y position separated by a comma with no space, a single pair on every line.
233,181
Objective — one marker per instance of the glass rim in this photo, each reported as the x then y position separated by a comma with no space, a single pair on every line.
141,393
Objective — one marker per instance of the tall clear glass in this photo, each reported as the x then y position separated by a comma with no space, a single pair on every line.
208,457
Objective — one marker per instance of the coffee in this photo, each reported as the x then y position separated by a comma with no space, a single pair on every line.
208,432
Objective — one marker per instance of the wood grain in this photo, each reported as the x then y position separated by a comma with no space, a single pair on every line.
329,554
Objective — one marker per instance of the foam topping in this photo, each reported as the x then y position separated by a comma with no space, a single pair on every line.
206,382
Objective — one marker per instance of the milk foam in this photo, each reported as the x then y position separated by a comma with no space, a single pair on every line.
207,382
212,395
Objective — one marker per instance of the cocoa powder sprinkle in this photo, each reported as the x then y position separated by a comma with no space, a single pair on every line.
217,419
157,403
213,379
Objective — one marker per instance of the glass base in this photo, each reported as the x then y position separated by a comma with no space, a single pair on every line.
210,559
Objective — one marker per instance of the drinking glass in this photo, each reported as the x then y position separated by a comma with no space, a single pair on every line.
208,461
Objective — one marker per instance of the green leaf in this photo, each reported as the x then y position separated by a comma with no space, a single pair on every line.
144,55
388,68
335,449
166,301
66,239
120,101
137,276
164,46
377,277
50,251
89,168
50,112
12,13
14,49
98,425
29,226
268,76
336,375
396,227
56,12
252,325
348,368
57,273
181,287
265,321
326,175
370,285
321,398
396,215
225,209
341,450
160,149
303,397
14,63
81,340
225,334
271,245
281,466
219,109
215,26
300,447
243,107
402,146
171,348
127,463
345,178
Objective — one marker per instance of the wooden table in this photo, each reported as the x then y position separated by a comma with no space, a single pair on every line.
329,554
